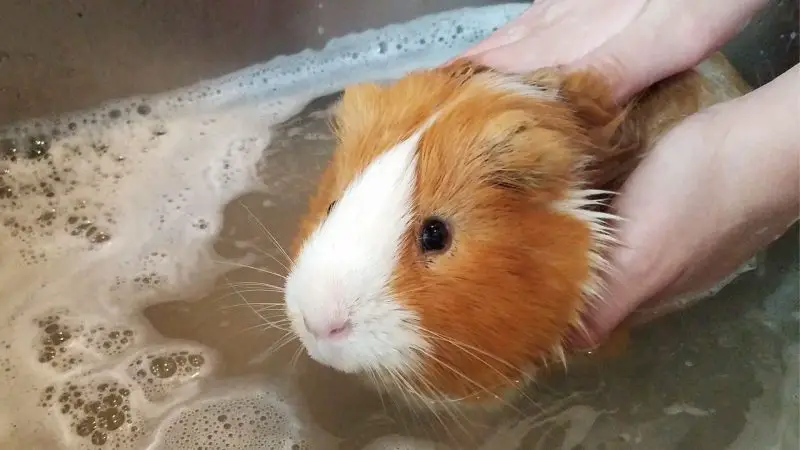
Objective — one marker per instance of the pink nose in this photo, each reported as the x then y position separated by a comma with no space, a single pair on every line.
328,328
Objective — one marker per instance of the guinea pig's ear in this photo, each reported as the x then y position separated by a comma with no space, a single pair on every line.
358,105
589,96
370,112
613,134
587,93
538,147
518,154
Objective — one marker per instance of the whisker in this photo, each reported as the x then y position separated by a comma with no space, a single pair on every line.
466,378
271,256
403,384
226,296
466,349
264,228
245,266
372,374
274,312
279,306
258,287
436,395
256,283
285,339
464,346
296,357
262,327
263,291
222,289
279,343
270,308
425,400
254,310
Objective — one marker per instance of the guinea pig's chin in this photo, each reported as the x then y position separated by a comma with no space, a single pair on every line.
332,354
366,349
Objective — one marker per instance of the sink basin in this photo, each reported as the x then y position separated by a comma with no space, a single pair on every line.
156,159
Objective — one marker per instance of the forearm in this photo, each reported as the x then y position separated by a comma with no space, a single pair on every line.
761,136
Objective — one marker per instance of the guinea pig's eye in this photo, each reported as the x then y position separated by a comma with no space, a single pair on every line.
330,207
434,235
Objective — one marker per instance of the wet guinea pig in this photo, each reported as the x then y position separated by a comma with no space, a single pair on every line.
458,233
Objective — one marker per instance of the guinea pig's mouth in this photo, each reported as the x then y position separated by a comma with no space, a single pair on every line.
368,351
332,352
368,344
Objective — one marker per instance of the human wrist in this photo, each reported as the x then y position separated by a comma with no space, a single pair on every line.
760,141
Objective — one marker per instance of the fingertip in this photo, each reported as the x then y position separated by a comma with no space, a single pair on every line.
489,44
596,329
507,34
581,339
620,298
509,58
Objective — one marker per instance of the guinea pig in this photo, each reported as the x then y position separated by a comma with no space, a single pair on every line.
458,232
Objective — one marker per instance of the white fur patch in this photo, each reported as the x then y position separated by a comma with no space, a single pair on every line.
516,85
345,267
601,227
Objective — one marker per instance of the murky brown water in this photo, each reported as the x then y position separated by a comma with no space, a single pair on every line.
699,378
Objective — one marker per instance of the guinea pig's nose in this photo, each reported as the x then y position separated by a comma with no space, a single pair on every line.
328,327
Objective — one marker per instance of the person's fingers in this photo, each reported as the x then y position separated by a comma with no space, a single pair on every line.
623,295
641,264
631,279
518,57
621,61
627,59
514,30
553,32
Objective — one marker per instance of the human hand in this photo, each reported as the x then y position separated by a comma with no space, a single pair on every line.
715,189
633,43
697,207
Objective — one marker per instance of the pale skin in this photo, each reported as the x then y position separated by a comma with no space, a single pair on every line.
717,188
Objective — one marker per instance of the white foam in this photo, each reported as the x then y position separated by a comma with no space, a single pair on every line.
255,418
108,210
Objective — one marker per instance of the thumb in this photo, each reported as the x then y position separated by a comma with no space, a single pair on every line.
636,271
627,58
620,298
512,31
620,61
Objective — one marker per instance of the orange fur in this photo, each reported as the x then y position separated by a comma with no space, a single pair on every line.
493,165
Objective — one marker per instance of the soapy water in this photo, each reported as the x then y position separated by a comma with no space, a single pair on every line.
107,211
110,211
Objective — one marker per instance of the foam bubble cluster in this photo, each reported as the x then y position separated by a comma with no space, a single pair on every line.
262,420
160,373
94,410
105,211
